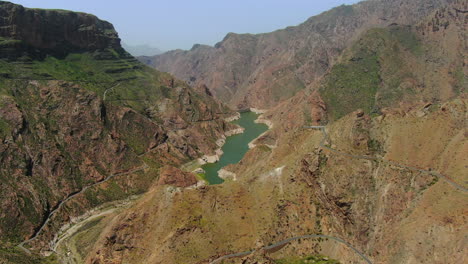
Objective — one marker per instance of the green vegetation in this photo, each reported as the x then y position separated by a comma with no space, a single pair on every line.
374,146
373,73
5,128
333,16
201,176
407,39
353,84
319,259
81,242
134,85
264,148
434,181
460,79
87,235
113,190
5,42
96,71
16,256
344,10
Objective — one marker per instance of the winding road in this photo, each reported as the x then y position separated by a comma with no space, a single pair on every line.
281,244
21,245
277,246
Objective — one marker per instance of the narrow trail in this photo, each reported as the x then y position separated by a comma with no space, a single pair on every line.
60,205
107,90
279,245
433,173
73,229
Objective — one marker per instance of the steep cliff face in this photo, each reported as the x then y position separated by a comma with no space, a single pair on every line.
260,70
57,32
398,65
85,123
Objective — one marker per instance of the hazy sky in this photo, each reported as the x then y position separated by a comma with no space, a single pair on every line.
171,24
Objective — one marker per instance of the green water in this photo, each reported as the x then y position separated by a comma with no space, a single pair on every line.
236,146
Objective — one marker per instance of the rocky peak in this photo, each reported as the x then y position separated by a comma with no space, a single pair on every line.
260,70
56,31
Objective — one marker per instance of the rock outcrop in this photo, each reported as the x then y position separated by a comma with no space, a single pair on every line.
176,177
53,32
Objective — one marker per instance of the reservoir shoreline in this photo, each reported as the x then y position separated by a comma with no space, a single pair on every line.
233,146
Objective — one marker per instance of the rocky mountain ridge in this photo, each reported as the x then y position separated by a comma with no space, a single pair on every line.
246,70
392,97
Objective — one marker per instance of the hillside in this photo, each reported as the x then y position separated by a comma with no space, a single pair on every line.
261,70
364,160
83,123
388,176
392,214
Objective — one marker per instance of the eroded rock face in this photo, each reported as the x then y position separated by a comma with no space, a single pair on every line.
93,131
318,109
55,31
61,134
176,177
247,70
69,148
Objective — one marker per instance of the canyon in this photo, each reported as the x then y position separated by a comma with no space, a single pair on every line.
364,160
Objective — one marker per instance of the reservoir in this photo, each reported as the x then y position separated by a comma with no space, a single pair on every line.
236,146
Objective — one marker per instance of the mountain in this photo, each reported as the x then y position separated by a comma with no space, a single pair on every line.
246,70
141,50
83,123
364,161
387,174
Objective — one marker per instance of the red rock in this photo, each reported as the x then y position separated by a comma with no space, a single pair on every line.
176,177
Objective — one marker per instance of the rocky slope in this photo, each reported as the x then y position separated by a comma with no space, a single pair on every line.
392,96
395,66
261,70
375,188
77,110
392,214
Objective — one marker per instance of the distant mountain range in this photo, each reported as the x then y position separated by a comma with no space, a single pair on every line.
141,50
248,70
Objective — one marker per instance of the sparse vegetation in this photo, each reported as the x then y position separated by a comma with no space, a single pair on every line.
16,256
5,128
374,145
319,259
